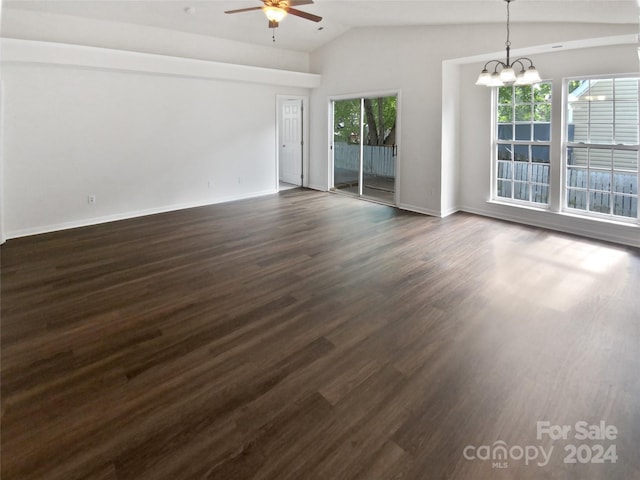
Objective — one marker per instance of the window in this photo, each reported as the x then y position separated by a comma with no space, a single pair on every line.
601,149
523,144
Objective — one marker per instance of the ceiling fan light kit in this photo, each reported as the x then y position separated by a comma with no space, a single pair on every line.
504,73
274,14
276,10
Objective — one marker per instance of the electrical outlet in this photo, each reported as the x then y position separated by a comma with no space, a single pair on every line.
239,179
210,184
91,199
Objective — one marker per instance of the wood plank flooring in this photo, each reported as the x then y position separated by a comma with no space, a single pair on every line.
307,335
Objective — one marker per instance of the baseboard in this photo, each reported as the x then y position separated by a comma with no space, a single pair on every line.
128,215
413,208
449,211
317,187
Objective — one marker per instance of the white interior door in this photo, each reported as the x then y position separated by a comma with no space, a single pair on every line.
290,148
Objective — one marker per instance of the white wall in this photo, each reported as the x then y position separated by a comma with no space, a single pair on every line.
452,113
151,141
141,142
369,60
475,135
2,236
2,201
411,60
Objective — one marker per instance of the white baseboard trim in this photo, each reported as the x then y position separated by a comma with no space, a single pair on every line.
128,215
450,211
317,187
623,234
413,208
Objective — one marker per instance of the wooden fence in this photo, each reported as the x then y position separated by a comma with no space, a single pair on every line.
379,161
539,181
615,193
621,198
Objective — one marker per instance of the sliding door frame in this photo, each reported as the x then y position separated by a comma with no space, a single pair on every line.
331,129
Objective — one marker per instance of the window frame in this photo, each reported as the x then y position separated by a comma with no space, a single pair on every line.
531,143
566,145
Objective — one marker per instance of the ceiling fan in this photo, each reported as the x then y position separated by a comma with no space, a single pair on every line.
276,10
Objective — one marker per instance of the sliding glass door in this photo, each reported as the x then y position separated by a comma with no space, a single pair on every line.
364,147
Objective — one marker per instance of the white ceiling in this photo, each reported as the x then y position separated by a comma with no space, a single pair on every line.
338,15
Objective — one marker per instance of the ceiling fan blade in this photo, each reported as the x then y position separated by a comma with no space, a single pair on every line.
300,13
243,10
295,3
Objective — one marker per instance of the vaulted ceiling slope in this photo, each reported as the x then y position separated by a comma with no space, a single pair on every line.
206,17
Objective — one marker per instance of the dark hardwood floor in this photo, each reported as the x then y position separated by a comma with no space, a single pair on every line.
307,335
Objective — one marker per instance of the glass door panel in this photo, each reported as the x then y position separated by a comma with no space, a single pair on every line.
347,132
379,148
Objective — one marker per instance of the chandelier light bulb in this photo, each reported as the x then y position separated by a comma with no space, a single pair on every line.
532,75
484,78
520,80
508,75
495,80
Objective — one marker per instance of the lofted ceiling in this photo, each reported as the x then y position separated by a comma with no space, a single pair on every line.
207,16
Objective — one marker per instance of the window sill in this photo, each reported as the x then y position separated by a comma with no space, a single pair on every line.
607,221
563,213
520,205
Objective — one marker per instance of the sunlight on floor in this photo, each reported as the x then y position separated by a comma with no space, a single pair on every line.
562,272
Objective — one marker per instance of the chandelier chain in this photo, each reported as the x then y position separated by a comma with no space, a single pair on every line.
508,42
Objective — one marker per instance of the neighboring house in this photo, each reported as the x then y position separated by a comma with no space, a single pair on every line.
593,117
602,119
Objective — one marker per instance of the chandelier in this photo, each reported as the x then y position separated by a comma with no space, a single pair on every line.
504,73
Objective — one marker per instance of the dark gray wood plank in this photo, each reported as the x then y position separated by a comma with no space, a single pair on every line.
308,335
